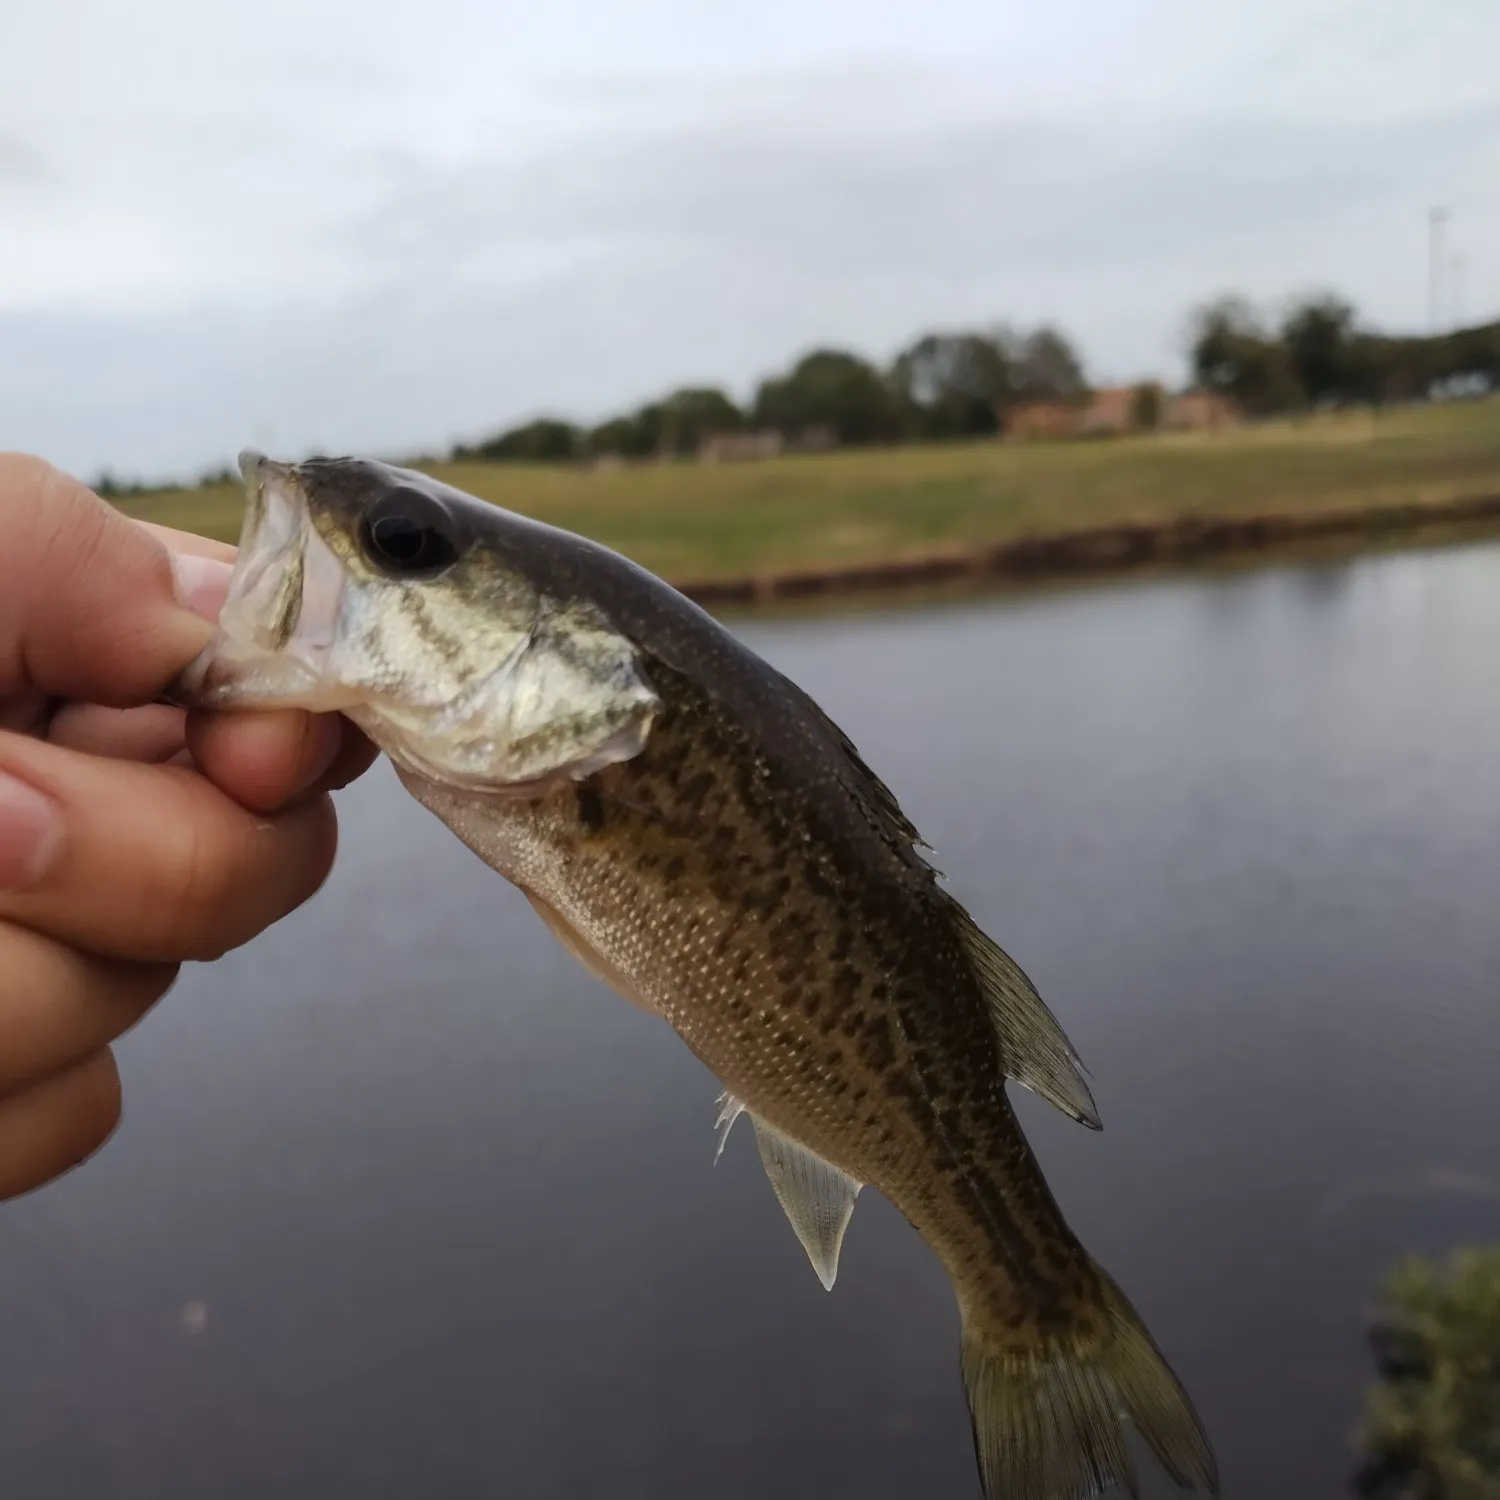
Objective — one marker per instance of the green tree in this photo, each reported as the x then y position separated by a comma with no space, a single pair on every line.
638,434
694,413
676,424
953,384
1234,355
1432,1424
630,436
834,388
1146,406
1477,351
1045,367
546,440
1319,339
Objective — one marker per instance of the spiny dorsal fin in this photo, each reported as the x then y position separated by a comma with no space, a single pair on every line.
816,1196
877,799
1033,1046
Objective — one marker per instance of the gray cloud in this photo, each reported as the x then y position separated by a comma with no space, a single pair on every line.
944,202
21,163
379,237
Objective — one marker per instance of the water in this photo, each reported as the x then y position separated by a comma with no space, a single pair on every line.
405,1205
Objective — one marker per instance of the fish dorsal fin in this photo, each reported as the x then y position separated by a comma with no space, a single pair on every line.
880,798
815,1195
1034,1049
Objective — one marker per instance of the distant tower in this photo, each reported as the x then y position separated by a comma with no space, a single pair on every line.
1436,219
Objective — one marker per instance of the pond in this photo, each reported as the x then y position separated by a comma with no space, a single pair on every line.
405,1204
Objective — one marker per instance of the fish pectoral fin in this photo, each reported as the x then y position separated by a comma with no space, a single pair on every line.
1034,1049
816,1196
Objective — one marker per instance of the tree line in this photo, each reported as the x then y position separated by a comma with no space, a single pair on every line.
958,384
943,385
1319,354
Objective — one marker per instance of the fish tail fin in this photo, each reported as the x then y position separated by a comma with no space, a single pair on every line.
1047,1416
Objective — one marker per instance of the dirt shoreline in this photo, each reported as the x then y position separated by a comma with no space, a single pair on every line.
1094,550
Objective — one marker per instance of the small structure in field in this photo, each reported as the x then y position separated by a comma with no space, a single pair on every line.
1040,419
765,442
1199,411
819,438
730,447
1118,410
1109,412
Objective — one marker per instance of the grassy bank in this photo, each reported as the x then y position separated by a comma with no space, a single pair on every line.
705,522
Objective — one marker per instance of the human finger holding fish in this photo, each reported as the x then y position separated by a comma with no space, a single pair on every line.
696,831
115,867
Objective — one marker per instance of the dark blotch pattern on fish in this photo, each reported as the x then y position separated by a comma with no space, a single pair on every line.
750,879
880,1051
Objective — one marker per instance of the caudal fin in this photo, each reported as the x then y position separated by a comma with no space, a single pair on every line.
1048,1418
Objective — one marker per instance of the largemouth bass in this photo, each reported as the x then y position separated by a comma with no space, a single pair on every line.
701,836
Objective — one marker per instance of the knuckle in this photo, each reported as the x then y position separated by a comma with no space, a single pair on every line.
23,478
59,534
223,879
68,521
197,884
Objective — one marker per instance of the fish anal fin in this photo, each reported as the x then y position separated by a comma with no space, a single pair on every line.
1034,1049
816,1196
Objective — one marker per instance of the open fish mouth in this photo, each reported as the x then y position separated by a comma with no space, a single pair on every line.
281,618
469,673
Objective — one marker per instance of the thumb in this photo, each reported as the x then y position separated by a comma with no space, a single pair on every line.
90,604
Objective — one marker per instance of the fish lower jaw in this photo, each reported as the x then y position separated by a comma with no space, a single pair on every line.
227,674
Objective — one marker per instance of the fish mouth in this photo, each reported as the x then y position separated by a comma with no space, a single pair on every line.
281,617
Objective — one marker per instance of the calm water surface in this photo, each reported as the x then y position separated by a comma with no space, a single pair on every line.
406,1205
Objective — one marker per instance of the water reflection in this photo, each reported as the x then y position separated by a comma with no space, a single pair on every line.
445,1212
1322,583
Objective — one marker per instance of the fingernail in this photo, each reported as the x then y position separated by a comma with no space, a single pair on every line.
30,832
202,583
320,745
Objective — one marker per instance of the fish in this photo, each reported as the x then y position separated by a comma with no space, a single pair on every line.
703,838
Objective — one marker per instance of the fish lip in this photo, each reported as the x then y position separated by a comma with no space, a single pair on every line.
257,656
274,534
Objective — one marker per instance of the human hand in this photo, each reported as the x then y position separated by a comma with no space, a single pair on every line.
133,836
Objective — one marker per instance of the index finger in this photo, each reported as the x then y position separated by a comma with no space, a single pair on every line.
89,601
188,543
200,565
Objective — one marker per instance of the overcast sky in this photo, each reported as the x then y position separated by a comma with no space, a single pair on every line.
377,225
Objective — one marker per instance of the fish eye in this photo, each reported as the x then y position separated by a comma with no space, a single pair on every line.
408,533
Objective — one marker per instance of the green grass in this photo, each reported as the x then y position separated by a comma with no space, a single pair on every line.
692,521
